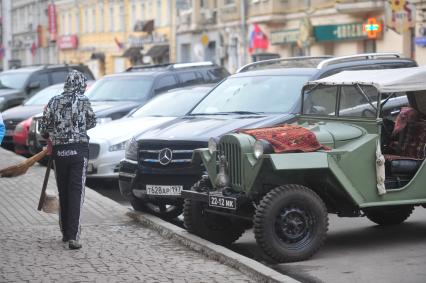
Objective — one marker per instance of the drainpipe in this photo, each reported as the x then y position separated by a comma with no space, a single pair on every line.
307,50
7,32
243,9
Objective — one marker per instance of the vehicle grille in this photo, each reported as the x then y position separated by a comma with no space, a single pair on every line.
232,151
181,152
93,150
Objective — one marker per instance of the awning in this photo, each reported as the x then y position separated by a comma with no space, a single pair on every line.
133,52
157,51
97,56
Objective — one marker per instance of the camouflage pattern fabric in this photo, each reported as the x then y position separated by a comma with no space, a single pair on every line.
68,116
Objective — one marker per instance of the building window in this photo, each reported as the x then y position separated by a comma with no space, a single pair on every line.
94,19
132,14
111,15
121,15
86,20
229,2
143,11
158,14
101,18
202,3
69,23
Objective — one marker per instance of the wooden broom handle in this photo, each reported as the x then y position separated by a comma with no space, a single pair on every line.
46,179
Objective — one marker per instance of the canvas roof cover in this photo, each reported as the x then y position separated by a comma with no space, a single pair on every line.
385,80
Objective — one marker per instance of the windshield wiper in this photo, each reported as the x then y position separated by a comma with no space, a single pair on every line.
229,113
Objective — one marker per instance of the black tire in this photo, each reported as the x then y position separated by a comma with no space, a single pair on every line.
164,210
137,204
216,228
391,215
291,223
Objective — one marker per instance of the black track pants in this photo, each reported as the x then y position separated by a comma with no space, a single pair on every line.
71,165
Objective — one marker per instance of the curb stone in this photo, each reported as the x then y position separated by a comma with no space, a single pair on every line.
256,270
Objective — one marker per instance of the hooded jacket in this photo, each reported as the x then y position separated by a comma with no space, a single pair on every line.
68,116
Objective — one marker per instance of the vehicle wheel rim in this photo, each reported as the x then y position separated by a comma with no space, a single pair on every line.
294,226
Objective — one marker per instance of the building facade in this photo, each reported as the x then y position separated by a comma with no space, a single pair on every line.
30,42
420,32
111,35
224,31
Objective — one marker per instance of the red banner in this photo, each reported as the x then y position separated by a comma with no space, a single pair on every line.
51,12
67,42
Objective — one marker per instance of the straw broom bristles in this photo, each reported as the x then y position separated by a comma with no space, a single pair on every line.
21,168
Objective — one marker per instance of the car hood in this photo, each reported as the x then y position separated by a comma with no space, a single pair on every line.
22,112
334,134
9,91
201,128
113,109
125,128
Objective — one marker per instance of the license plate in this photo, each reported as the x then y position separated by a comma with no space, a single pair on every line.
223,202
9,132
164,190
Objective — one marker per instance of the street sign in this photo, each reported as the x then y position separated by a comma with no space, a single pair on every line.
372,28
204,39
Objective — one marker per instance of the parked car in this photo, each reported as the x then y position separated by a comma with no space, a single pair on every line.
20,137
114,96
285,180
32,106
262,94
20,84
107,141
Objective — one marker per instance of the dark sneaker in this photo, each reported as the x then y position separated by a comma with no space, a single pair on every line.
64,239
74,245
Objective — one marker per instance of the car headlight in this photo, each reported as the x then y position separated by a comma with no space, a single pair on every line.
262,147
131,149
103,120
212,145
118,146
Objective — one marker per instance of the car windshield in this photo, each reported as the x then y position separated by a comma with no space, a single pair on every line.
120,88
173,104
43,96
13,80
253,95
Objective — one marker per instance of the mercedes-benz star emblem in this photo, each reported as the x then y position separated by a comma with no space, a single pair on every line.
165,156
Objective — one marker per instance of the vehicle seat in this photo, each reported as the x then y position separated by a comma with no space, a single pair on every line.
410,150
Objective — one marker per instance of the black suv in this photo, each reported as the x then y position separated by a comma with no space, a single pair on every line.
19,84
114,96
158,163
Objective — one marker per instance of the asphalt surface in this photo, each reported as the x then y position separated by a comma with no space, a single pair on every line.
356,249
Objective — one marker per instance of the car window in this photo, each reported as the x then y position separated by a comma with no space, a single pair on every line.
59,76
13,80
259,94
134,88
320,101
358,101
43,96
188,78
173,104
165,83
41,78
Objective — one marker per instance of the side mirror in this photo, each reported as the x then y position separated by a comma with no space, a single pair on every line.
34,85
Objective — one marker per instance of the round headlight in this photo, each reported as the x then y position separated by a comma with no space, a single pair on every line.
212,145
262,147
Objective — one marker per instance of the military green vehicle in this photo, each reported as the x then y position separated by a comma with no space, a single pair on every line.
343,154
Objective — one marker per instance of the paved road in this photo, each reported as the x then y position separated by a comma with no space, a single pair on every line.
357,251
115,249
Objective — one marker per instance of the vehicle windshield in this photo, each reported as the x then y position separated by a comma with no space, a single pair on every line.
120,89
173,104
13,80
354,101
43,96
253,95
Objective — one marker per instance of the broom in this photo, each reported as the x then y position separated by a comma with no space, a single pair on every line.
48,202
21,168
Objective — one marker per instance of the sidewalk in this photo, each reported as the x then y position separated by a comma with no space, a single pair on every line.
115,248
